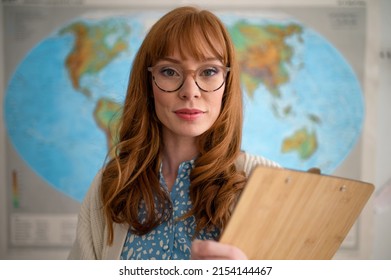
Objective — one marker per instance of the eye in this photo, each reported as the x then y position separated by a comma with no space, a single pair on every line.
169,72
209,71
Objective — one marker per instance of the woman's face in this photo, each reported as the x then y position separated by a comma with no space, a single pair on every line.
188,111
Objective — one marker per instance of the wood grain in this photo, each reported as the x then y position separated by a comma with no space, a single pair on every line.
288,214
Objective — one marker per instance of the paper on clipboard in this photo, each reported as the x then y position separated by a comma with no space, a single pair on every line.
288,214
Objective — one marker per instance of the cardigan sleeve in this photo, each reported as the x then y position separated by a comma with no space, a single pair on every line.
90,229
247,162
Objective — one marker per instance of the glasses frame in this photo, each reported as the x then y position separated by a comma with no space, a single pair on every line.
192,72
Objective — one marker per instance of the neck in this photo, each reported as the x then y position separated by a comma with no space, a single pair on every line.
174,153
177,152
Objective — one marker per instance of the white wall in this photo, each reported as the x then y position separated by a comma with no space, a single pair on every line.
3,212
382,232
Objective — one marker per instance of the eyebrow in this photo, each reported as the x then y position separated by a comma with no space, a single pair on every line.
173,60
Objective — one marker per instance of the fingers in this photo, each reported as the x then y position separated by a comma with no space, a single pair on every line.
212,250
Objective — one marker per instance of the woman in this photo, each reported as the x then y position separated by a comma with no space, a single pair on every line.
178,169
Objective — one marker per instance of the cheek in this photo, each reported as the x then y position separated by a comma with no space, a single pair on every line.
160,101
216,103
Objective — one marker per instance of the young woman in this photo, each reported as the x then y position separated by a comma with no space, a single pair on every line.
178,169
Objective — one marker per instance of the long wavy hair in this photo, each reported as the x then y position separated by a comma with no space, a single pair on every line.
131,178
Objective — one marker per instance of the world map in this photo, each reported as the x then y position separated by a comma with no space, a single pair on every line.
304,106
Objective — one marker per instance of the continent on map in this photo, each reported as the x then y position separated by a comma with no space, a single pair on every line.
302,141
96,45
93,49
106,115
263,54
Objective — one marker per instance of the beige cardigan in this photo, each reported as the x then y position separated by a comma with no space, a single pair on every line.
92,233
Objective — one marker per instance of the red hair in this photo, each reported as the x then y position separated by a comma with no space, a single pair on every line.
131,178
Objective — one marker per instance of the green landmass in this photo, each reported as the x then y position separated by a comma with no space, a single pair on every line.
314,118
107,114
94,48
263,54
303,142
92,51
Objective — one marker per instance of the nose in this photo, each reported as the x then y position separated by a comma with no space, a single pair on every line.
189,88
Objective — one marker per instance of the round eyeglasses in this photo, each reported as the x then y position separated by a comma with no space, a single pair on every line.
170,78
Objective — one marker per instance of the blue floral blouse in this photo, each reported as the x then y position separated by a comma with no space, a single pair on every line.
171,239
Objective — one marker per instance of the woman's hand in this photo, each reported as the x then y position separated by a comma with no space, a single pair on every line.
213,250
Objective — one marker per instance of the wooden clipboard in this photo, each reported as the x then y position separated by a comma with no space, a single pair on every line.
286,214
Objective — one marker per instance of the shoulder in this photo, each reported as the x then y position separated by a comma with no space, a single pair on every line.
246,162
92,198
91,225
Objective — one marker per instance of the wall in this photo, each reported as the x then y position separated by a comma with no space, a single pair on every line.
382,232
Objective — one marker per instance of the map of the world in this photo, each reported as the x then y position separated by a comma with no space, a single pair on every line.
303,102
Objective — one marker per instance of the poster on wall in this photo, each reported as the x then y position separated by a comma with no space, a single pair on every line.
66,74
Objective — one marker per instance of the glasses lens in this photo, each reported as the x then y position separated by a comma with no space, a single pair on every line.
210,78
170,78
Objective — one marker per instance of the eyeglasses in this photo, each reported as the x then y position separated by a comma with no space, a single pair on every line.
171,77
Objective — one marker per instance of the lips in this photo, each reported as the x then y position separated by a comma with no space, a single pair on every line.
189,114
